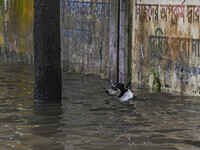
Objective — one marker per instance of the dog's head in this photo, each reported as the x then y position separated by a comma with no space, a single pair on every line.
117,90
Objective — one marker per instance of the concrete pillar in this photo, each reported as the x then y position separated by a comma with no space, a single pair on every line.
47,51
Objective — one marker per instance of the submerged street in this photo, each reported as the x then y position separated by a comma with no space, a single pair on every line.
88,119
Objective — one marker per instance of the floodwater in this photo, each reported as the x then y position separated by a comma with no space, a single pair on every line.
88,119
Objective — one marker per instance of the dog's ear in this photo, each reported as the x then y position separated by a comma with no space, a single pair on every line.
127,86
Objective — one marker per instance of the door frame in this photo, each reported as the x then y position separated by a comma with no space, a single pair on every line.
119,41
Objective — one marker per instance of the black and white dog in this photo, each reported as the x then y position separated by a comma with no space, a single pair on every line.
121,92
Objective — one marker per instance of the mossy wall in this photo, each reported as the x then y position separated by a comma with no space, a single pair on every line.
84,34
16,30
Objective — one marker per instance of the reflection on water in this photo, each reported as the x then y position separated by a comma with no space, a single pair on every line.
87,119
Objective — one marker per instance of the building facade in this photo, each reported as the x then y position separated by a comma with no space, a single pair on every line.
117,39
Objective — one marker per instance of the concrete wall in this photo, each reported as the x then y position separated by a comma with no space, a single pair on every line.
94,37
16,30
85,36
165,35
117,39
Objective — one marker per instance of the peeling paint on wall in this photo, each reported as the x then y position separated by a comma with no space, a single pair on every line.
85,36
169,33
163,34
16,32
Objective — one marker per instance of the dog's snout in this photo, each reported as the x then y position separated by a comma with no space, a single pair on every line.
106,91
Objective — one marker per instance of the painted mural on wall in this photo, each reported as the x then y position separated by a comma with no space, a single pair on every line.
84,34
16,30
167,35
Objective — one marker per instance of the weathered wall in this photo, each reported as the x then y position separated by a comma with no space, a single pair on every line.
165,35
85,36
97,37
16,30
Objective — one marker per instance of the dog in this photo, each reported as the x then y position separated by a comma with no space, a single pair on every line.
121,92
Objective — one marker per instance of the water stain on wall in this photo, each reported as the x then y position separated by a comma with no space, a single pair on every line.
167,36
164,35
16,30
85,36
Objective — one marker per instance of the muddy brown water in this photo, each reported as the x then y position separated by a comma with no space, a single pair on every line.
88,119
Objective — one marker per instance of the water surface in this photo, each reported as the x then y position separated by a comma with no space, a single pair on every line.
87,119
